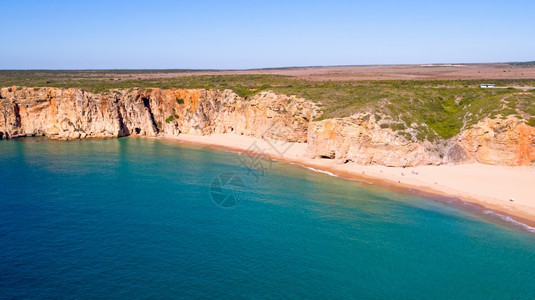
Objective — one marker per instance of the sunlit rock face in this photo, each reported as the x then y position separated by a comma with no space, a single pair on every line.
363,142
499,142
76,114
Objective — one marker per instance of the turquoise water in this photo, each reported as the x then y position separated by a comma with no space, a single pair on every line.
133,218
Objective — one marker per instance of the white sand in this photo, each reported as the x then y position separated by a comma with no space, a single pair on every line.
490,186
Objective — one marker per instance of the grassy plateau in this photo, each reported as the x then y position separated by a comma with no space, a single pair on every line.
418,110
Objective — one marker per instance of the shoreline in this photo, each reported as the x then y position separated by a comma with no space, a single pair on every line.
481,186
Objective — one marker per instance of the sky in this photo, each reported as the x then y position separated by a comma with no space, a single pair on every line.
162,34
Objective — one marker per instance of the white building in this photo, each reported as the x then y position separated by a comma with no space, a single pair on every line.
487,85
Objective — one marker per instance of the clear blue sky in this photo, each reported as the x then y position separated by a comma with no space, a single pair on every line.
248,34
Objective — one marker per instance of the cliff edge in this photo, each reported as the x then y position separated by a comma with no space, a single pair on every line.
75,114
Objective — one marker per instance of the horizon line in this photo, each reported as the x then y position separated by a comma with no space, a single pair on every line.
270,68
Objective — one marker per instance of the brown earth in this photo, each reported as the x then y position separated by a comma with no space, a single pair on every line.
372,72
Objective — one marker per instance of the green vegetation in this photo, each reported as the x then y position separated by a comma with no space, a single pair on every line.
397,126
171,118
419,109
436,109
523,64
98,81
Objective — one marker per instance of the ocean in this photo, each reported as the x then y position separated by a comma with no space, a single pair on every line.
149,218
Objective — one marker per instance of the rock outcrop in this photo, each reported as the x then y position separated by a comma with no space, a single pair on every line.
499,142
363,142
491,141
76,114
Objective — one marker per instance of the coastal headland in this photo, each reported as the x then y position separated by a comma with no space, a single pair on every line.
432,132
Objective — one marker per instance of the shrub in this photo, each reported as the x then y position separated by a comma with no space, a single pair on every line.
397,126
171,118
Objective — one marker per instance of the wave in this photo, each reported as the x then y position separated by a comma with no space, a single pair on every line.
321,171
508,219
329,173
505,218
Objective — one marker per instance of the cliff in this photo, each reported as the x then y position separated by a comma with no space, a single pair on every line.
490,141
499,142
363,142
76,114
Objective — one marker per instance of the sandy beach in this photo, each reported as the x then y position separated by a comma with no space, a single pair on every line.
506,192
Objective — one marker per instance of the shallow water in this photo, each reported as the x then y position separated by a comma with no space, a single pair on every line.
134,218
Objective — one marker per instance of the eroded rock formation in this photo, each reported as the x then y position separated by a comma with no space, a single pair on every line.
76,114
491,141
363,142
499,142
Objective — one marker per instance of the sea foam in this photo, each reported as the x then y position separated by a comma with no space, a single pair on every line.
508,219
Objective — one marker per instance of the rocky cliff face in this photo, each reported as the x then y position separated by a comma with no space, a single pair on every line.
76,114
495,142
498,142
364,142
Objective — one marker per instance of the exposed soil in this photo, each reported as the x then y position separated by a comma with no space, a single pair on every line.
377,72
